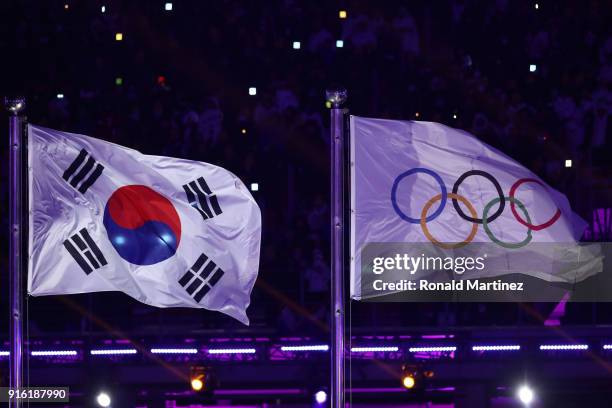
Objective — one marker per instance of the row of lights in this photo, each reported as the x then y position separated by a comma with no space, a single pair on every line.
313,347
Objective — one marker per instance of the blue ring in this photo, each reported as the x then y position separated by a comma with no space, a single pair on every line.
408,173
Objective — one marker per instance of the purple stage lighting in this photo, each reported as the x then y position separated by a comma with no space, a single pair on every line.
563,347
49,353
174,351
106,352
607,346
431,349
508,347
385,349
313,347
232,351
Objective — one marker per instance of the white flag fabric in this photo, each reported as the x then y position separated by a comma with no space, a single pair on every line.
406,179
166,231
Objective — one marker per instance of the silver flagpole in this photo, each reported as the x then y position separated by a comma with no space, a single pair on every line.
16,106
337,97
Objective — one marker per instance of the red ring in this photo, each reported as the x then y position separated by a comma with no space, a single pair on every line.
548,223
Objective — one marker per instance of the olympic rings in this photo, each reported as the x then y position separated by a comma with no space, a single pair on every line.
488,176
423,221
485,220
493,238
527,223
406,174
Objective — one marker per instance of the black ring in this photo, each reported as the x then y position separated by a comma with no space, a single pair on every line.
502,199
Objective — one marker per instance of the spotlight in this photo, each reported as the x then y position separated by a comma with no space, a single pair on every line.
454,116
408,381
103,9
568,163
168,6
296,45
197,384
66,6
342,14
320,397
532,67
525,395
198,379
119,37
254,186
339,44
103,399
252,91
537,6
60,96
243,131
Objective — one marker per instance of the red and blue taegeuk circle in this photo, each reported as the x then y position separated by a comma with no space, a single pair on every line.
142,225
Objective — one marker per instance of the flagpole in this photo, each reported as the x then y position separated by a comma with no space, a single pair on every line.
15,106
337,97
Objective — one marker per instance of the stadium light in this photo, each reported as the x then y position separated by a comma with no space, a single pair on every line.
254,186
320,397
119,37
168,7
342,14
252,91
339,44
380,349
537,6
243,131
532,67
568,163
198,378
408,381
296,45
66,6
232,351
103,9
60,96
103,399
454,116
312,347
525,395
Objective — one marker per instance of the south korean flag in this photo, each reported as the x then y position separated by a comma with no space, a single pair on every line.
166,231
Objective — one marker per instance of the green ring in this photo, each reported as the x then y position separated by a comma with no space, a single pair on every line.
485,224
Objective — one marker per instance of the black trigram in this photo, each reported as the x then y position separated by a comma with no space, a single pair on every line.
85,251
202,199
201,278
84,170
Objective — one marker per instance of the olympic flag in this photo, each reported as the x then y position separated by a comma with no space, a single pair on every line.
423,182
166,231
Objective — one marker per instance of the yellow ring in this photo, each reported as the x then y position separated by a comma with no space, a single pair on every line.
435,241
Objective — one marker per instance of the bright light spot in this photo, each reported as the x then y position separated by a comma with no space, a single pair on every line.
537,6
103,399
525,395
568,163
119,37
417,114
454,116
243,131
296,45
321,397
168,7
118,81
408,381
254,186
252,91
342,14
339,44
60,96
532,67
328,104
103,9
66,6
197,384
119,240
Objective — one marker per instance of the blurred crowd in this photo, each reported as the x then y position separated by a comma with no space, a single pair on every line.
241,85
